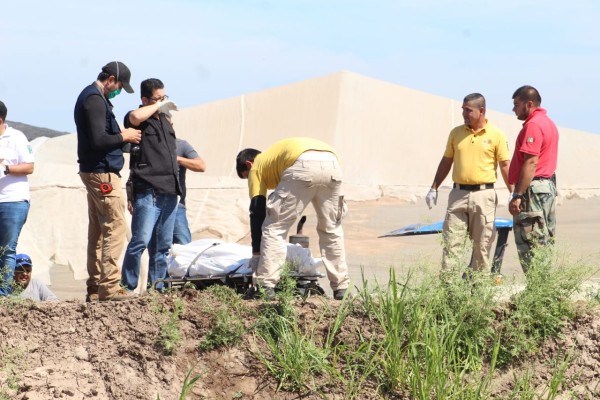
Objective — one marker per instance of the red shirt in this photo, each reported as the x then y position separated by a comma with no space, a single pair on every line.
539,137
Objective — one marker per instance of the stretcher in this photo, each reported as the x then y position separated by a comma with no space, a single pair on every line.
208,262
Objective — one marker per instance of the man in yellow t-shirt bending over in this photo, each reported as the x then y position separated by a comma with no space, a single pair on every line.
301,171
476,149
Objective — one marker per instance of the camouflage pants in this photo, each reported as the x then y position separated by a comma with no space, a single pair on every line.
535,225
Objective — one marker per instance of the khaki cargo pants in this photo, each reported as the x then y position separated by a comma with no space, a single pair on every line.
306,181
470,216
106,233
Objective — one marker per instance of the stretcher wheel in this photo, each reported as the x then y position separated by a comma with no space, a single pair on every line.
309,288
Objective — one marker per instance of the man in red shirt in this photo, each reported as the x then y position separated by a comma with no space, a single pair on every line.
532,171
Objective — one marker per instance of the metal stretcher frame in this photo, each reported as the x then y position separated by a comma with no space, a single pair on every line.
305,284
503,227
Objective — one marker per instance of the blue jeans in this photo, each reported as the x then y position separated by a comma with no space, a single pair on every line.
12,218
181,234
153,220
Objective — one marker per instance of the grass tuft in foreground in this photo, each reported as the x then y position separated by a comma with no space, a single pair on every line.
427,338
168,320
293,355
228,313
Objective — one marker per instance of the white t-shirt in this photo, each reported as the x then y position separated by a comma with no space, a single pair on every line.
37,291
14,149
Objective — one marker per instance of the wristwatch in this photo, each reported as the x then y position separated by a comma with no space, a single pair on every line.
6,170
517,196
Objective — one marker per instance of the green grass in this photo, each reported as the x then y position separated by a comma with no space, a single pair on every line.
188,384
227,314
168,321
11,367
543,307
293,354
427,338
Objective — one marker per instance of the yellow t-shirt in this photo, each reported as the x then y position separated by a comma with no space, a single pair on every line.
476,155
269,165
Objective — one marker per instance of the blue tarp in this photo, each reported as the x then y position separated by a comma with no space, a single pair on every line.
436,227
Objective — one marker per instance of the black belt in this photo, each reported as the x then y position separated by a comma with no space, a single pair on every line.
539,178
474,188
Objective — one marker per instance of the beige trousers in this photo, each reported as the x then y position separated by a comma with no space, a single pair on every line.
106,233
470,215
306,181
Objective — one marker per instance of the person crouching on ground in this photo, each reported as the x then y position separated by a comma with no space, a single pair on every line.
301,171
31,288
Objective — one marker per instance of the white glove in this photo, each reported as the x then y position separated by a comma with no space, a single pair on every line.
431,198
253,263
167,106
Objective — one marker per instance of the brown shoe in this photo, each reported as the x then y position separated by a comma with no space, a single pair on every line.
119,295
91,297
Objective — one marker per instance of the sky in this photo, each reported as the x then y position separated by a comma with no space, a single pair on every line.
209,50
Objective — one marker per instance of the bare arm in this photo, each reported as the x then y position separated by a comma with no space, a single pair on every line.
131,135
442,172
139,115
193,164
20,169
525,177
527,173
504,171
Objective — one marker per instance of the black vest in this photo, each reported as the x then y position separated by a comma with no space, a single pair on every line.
90,159
154,165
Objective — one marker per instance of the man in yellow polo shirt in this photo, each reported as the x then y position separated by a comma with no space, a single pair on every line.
301,171
475,149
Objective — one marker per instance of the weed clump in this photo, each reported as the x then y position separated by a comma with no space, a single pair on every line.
433,337
227,319
168,321
11,368
543,307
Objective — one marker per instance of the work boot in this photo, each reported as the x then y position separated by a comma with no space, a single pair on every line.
120,295
339,294
259,292
91,297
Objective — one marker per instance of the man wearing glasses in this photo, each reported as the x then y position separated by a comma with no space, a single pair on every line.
155,182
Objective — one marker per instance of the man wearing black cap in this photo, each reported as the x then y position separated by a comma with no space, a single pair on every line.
32,288
100,157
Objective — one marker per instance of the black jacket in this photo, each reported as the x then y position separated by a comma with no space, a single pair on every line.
99,138
154,165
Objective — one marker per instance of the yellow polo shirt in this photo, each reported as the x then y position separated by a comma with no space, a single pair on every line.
476,155
269,165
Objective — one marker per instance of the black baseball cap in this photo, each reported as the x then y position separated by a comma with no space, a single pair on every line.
121,72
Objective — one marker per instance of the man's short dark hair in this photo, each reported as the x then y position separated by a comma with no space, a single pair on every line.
3,111
148,86
242,157
477,98
102,76
528,93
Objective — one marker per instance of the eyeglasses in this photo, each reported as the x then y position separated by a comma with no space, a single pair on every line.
165,97
22,271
